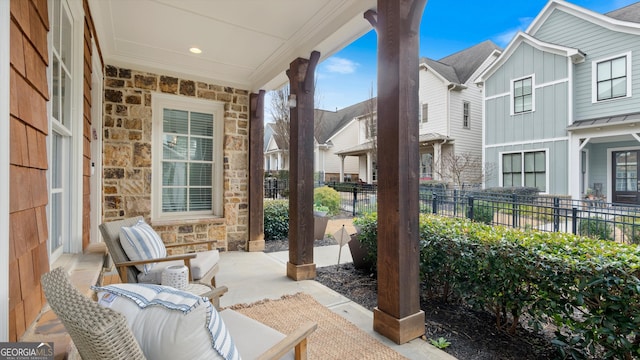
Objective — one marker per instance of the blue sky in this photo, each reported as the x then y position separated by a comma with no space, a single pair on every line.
447,27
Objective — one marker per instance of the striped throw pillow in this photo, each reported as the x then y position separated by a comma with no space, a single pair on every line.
141,242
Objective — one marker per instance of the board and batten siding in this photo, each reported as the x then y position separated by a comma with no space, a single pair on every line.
549,119
557,158
597,42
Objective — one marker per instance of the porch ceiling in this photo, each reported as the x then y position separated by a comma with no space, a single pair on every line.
247,44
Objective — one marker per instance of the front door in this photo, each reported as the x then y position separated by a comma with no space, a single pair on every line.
625,177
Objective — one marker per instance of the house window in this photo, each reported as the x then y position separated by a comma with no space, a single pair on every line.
64,111
611,78
188,157
465,114
523,95
424,113
525,169
426,165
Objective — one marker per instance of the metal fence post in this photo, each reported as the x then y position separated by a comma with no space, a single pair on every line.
471,207
355,199
574,220
514,210
455,203
556,214
434,203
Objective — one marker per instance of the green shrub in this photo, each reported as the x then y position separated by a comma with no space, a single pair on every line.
367,226
326,196
589,289
596,227
483,212
276,219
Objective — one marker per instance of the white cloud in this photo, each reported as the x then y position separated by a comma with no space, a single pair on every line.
503,39
340,65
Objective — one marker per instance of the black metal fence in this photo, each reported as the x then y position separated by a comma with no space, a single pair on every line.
594,218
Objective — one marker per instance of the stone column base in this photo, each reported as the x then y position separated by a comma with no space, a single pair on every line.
301,272
256,245
398,330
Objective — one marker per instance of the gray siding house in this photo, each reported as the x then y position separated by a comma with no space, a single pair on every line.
562,105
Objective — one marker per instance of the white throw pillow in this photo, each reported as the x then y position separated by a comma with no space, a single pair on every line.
141,242
169,323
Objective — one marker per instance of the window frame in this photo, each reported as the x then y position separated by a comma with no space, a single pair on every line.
466,114
595,80
216,108
424,113
523,167
533,95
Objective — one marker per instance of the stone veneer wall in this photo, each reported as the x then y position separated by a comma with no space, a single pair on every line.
127,154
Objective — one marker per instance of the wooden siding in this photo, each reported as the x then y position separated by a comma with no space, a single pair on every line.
433,91
597,43
28,255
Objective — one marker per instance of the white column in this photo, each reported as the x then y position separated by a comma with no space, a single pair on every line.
574,172
279,164
369,175
437,155
341,168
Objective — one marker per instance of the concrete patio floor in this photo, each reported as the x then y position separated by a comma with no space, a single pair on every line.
253,276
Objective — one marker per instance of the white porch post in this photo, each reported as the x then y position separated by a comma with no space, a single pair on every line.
369,178
279,164
341,168
574,172
437,154
4,169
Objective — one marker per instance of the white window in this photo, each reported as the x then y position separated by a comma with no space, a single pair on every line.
65,123
523,97
424,113
426,165
187,168
612,78
466,113
525,169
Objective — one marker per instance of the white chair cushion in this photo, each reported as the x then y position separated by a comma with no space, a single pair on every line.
252,338
202,263
141,242
169,323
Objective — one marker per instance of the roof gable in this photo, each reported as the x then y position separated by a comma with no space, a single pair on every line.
458,68
331,122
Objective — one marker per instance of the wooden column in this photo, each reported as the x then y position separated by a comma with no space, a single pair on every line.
301,223
398,315
256,172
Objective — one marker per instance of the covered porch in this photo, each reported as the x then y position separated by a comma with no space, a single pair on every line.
604,157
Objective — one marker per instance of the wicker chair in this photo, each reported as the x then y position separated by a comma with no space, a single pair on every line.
127,269
102,333
97,332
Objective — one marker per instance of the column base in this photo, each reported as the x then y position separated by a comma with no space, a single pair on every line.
398,330
256,245
301,272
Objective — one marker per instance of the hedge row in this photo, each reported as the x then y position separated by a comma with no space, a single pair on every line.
587,288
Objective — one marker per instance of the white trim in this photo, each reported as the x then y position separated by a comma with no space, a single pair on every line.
96,128
594,78
5,119
159,102
497,96
533,95
550,83
609,170
563,138
546,170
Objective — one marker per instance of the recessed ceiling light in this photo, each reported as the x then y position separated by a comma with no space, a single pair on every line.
195,50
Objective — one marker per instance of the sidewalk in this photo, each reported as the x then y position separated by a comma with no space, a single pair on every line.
254,276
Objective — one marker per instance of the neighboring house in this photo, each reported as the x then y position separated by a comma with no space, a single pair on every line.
334,131
562,105
276,157
451,115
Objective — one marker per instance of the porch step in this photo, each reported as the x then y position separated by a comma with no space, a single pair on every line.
84,271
